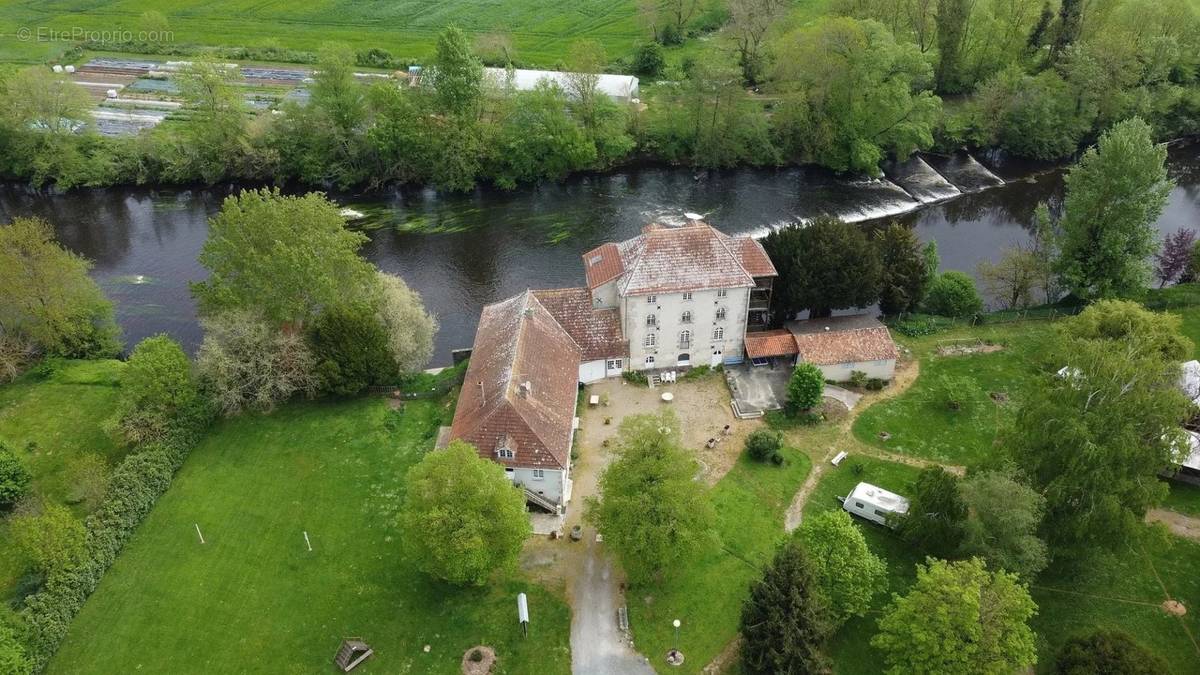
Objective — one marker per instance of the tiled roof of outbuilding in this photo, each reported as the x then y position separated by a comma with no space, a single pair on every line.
843,339
596,331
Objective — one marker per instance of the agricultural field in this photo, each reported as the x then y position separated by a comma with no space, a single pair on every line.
254,598
49,423
540,30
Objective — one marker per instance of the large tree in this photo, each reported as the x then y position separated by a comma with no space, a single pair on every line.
47,297
825,265
214,130
959,619
952,20
286,257
1125,321
350,345
652,513
862,94
456,75
246,362
844,568
410,328
462,519
1005,515
1107,652
904,277
45,101
785,621
750,20
1114,195
936,514
1094,442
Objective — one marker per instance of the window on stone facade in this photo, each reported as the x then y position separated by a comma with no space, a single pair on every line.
720,314
650,361
687,295
539,474
651,299
651,320
685,338
686,318
650,340
721,292
718,333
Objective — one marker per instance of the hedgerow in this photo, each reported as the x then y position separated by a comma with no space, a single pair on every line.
134,487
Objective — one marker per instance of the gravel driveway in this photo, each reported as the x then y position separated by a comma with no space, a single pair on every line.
598,647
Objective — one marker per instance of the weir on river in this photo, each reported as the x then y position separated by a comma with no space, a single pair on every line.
464,251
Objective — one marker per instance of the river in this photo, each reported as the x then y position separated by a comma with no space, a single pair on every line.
464,251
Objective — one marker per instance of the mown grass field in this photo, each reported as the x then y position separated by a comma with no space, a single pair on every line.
62,417
541,30
254,599
921,425
707,592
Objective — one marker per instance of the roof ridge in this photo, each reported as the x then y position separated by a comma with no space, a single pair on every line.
722,237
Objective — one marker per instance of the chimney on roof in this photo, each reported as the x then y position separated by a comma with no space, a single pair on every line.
525,389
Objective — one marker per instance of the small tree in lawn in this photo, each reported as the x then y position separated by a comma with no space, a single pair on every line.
959,619
936,515
957,392
1107,651
156,385
13,660
845,570
785,621
462,519
1173,263
652,514
14,477
49,535
763,444
953,294
805,388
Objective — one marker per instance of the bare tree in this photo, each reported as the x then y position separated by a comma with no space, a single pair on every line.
681,11
751,20
647,12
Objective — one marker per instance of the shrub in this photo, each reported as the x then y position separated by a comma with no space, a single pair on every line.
49,535
48,367
14,477
636,377
12,654
246,363
88,474
957,392
156,384
1107,651
953,294
875,384
858,379
648,60
763,444
805,388
937,514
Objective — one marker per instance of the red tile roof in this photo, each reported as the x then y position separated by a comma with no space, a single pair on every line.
602,264
519,341
675,259
770,343
596,331
843,339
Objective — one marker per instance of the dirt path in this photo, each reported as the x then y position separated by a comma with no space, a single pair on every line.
1177,523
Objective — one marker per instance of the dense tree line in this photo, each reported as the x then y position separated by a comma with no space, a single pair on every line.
848,91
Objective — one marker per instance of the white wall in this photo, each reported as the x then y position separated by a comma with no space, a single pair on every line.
605,295
840,372
552,486
668,309
591,371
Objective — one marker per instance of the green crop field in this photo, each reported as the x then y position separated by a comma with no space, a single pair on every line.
254,599
541,30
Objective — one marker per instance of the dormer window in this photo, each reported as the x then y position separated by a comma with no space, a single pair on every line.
686,318
687,295
506,447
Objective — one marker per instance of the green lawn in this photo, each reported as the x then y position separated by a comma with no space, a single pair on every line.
922,426
253,598
1184,498
541,30
706,593
62,418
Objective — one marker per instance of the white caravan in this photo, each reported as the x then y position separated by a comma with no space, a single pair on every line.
875,504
